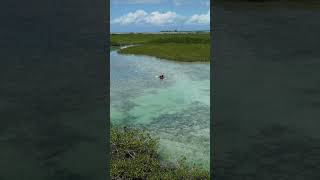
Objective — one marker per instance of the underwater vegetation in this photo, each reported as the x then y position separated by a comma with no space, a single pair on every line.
134,156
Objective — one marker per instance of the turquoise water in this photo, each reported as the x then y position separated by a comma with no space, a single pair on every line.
176,110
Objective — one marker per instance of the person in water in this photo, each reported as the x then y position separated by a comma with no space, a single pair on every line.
161,76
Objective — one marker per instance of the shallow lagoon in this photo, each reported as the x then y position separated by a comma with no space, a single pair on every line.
176,110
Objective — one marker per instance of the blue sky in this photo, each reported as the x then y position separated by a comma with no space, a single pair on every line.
157,15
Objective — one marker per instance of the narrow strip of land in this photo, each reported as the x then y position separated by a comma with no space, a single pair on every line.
186,47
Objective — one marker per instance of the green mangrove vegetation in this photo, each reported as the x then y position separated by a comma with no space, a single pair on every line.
188,47
134,156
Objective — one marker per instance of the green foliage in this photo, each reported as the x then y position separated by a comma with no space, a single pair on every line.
182,39
173,51
185,47
134,156
130,39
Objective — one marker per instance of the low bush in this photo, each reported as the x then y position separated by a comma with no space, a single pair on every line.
134,156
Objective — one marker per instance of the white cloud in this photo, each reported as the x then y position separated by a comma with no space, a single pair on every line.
153,18
200,18
159,18
131,18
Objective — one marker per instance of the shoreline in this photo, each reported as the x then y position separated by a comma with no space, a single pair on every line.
127,50
179,47
163,59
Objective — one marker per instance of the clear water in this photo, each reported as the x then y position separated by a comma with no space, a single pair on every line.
176,110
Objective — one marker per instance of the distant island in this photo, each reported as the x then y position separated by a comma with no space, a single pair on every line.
164,32
184,31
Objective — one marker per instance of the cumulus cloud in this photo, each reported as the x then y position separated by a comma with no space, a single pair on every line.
131,18
200,18
169,17
153,18
159,18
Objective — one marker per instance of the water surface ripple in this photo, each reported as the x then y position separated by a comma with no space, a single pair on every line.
176,110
